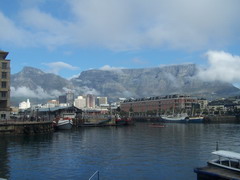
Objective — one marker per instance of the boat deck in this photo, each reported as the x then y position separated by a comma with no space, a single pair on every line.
211,172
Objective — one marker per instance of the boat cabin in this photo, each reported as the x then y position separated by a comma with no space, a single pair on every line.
226,159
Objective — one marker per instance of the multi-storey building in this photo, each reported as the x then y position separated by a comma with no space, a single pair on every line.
4,86
80,102
159,105
102,101
90,101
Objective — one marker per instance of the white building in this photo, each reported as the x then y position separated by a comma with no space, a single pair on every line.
80,102
24,105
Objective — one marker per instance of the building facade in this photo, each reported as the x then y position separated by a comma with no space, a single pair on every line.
159,105
80,102
102,101
90,101
4,86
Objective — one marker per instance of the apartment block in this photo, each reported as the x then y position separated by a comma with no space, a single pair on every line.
4,86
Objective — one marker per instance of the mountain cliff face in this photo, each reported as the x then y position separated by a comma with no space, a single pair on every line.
119,83
152,82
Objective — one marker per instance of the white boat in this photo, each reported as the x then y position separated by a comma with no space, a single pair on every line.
195,119
180,118
63,123
227,160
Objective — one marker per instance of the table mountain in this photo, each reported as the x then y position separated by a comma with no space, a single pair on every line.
115,83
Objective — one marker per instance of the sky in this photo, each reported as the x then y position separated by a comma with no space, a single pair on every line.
70,36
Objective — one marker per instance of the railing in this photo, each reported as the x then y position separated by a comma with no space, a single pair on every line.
96,174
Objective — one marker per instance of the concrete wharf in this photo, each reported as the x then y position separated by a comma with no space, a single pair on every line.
213,173
26,127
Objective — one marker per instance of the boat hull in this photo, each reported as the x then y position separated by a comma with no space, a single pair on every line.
195,120
64,125
174,120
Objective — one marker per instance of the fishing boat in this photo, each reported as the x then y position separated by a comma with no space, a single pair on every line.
179,118
195,119
123,120
62,123
227,160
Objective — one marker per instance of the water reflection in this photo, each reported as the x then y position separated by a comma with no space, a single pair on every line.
135,152
4,158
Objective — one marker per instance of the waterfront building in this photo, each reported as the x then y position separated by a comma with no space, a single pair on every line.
203,103
70,98
4,86
24,105
159,105
90,101
52,103
102,101
80,102
62,99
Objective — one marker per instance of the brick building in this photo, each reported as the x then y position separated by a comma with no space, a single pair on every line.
159,105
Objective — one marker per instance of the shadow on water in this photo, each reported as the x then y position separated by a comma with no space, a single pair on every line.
8,144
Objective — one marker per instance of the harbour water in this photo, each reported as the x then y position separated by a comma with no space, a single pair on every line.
133,152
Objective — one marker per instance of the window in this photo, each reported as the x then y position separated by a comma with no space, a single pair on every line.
4,75
4,84
4,65
3,94
3,116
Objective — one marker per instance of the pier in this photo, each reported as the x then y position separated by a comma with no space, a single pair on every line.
26,127
211,173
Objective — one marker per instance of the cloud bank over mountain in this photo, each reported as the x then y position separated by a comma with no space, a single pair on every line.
123,25
222,66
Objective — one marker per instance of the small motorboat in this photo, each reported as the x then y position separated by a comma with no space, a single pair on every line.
63,123
227,160
156,125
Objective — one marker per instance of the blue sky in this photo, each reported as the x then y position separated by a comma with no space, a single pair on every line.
69,36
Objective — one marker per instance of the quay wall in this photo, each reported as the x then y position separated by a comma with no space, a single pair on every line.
222,119
27,128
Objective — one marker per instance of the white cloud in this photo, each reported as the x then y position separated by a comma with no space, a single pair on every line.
113,69
39,93
55,67
110,68
126,25
222,66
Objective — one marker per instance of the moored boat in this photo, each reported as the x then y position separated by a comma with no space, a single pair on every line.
195,119
226,166
123,120
227,160
63,123
180,118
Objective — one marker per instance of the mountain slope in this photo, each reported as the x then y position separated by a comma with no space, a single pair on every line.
152,82
34,83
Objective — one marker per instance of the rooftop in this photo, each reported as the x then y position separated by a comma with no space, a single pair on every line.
3,54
